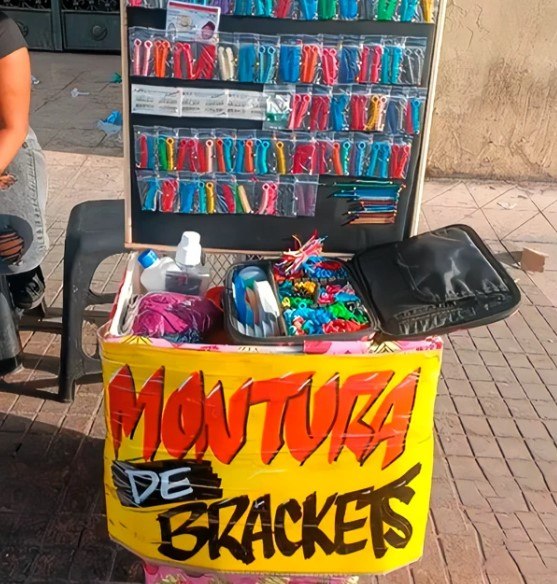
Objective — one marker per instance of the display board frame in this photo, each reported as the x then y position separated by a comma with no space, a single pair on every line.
260,234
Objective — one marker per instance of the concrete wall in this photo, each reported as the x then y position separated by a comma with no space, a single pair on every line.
496,107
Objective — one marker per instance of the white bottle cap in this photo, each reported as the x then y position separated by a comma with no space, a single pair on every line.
188,252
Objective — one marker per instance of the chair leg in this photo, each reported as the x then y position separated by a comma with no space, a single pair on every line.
74,363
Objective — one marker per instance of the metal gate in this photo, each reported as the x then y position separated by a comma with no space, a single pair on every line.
67,25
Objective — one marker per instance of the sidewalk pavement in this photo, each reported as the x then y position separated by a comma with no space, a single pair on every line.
493,513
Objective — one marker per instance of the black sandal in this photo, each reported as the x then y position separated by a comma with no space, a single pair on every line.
27,289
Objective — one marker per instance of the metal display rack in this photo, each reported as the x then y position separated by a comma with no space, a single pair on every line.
259,233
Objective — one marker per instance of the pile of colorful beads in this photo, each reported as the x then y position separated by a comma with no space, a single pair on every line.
315,294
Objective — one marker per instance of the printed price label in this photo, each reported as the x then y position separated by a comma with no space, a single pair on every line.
246,105
156,101
204,103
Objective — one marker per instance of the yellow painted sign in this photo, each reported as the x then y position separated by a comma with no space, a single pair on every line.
269,463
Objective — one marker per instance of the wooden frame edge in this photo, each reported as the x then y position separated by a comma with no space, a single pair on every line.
126,124
428,118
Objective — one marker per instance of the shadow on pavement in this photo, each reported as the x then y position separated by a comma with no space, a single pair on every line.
52,514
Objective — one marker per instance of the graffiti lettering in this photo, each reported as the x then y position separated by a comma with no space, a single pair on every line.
358,415
169,481
188,528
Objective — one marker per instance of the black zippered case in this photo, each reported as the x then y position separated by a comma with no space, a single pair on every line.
430,284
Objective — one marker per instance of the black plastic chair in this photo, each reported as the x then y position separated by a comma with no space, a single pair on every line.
95,232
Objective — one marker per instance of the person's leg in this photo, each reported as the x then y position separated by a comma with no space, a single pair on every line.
23,238
27,289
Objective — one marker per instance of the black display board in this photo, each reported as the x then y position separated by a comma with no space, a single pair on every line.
257,232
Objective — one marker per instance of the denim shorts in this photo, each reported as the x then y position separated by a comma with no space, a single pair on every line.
23,206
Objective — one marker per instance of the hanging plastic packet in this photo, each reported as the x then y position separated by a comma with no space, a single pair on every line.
286,202
413,61
245,195
264,153
426,13
301,104
206,151
187,152
305,190
320,109
340,102
225,150
379,158
330,60
243,7
290,59
350,60
141,52
342,147
391,65
247,57
396,117
278,106
265,195
145,147
284,9
359,156
415,104
148,188
183,60
284,151
307,9
310,60
227,57
371,60
188,192
168,198
245,152
304,154
205,60
378,104
348,9
408,10
400,158
226,194
263,8
367,10
166,149
267,59
387,10
359,106
161,55
327,9
324,153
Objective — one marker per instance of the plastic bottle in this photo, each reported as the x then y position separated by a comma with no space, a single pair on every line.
190,276
153,277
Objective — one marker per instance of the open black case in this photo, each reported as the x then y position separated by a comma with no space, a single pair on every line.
430,284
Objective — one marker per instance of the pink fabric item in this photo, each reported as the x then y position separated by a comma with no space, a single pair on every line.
175,317
155,574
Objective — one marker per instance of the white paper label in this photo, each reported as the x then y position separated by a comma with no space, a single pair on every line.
246,105
204,103
156,101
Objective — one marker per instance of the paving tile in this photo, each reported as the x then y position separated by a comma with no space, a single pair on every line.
513,448
535,229
484,446
456,195
532,429
521,408
467,405
475,426
484,192
505,222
